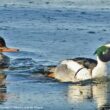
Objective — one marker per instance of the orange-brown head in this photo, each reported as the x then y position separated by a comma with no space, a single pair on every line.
4,48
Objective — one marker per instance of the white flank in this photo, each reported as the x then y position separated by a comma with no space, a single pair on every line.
74,66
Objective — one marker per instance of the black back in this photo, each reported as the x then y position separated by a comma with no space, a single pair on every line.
86,62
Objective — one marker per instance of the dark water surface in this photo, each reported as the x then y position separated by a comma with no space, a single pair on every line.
46,35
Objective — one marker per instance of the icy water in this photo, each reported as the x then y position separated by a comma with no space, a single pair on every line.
47,32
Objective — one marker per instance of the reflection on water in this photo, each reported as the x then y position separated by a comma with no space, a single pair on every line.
3,89
78,94
97,93
101,93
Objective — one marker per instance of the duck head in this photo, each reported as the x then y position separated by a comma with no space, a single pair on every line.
103,52
4,48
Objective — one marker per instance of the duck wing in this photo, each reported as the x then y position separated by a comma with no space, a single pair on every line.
86,62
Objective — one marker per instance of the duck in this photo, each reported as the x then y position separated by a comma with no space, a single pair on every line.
81,68
5,60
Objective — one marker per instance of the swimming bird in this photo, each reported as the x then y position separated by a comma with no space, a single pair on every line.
4,60
80,68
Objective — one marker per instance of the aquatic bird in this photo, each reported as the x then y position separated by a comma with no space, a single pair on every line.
80,68
4,60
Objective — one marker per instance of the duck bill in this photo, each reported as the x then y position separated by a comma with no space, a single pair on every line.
8,49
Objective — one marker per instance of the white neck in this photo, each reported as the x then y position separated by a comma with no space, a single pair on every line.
101,69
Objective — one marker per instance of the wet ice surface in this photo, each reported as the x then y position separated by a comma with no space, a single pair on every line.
48,32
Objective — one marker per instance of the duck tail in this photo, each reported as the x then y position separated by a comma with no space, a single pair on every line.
50,71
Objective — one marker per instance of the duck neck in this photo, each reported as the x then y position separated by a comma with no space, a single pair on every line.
101,69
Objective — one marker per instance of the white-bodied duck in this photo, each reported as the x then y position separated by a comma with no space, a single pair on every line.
78,69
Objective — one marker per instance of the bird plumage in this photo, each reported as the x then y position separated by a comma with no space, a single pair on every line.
83,68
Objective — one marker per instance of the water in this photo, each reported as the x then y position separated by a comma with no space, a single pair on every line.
47,32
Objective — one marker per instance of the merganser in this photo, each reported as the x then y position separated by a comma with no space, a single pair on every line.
78,69
4,60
